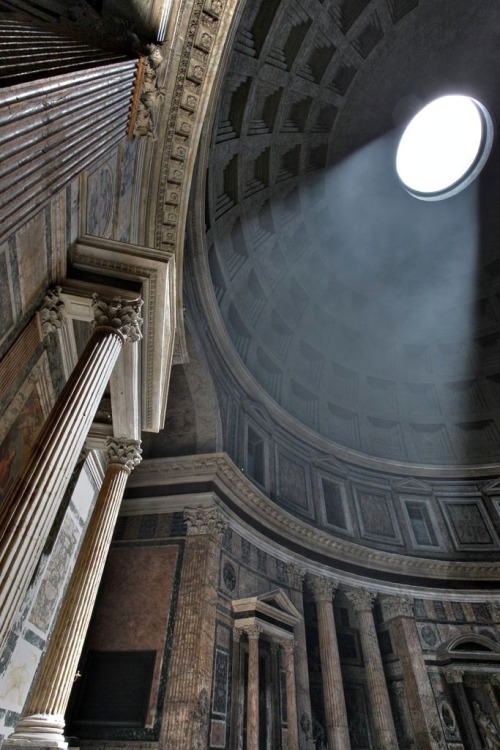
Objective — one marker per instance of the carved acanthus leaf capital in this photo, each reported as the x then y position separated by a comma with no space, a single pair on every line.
288,645
295,576
237,633
51,311
253,632
151,97
361,599
123,451
323,589
397,606
121,314
201,521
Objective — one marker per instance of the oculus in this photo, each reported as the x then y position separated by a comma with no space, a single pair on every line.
444,147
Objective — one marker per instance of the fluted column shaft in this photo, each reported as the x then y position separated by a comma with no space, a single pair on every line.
295,579
337,730
427,728
292,735
43,721
31,503
63,103
383,723
253,689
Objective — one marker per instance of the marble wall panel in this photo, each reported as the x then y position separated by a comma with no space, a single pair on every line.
469,524
7,309
32,249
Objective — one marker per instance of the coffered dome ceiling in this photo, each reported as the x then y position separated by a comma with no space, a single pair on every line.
370,316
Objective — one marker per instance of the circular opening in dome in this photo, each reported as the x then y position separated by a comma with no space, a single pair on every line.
444,147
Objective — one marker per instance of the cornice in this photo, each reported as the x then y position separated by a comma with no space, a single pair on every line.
218,469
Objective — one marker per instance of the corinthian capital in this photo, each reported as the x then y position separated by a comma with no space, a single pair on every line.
397,606
123,451
323,589
51,311
361,600
121,314
295,576
200,521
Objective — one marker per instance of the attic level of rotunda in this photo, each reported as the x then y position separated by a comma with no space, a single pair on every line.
249,382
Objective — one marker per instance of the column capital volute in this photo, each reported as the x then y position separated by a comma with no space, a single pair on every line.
123,452
123,315
322,589
205,521
50,312
396,606
295,576
361,599
253,632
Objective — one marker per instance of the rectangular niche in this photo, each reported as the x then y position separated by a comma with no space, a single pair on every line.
468,523
376,514
420,522
115,689
336,509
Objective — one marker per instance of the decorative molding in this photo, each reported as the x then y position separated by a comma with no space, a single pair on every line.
124,451
454,676
362,600
120,314
209,521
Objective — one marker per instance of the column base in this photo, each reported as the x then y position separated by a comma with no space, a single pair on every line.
36,732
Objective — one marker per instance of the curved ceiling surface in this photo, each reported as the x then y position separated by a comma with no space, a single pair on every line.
370,316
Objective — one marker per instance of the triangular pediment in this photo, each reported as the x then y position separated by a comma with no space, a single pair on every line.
413,485
275,604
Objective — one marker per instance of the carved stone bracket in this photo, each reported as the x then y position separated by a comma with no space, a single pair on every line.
121,314
150,98
51,311
361,599
200,521
123,451
323,589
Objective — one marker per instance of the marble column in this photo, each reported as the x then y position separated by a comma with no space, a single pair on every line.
273,688
43,722
238,693
186,711
337,730
253,634
292,734
427,727
32,501
296,581
64,102
383,724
